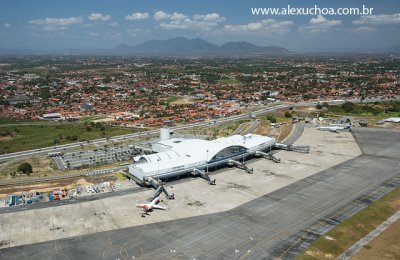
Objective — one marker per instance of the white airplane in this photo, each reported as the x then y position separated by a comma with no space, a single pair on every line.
152,205
335,129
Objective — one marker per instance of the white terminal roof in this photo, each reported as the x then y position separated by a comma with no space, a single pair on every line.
175,152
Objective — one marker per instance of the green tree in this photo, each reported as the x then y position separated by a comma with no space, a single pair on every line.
272,119
25,168
288,114
348,107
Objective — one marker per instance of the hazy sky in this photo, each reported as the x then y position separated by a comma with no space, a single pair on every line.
97,24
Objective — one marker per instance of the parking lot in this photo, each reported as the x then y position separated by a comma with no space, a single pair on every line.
98,156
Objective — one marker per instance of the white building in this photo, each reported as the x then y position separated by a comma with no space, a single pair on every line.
179,156
393,120
52,116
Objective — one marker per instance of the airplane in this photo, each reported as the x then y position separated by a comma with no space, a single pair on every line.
150,206
335,129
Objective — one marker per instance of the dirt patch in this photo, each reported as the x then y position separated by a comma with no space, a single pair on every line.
307,109
101,178
44,187
5,138
181,101
284,132
262,129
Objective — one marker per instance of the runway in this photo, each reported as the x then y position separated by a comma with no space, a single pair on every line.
254,230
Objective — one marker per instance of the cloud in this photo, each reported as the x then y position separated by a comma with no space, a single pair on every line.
52,24
6,25
268,25
99,17
114,24
365,29
378,19
161,15
321,24
177,16
137,16
94,34
183,21
214,17
57,21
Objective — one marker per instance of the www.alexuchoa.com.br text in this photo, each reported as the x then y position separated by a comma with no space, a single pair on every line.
315,10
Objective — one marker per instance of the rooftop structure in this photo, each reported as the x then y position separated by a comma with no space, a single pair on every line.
178,156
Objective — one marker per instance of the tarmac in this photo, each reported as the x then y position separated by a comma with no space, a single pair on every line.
255,214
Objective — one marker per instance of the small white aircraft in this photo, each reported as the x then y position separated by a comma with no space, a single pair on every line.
152,205
335,129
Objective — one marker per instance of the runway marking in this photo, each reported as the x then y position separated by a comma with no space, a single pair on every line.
123,247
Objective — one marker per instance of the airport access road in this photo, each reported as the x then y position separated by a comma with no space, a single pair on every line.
254,230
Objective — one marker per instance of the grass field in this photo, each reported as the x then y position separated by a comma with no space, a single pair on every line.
178,101
120,176
23,137
386,109
343,236
42,166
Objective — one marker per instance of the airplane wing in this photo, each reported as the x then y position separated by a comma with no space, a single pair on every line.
143,206
159,207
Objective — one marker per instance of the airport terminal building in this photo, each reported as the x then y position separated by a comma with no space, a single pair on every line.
178,156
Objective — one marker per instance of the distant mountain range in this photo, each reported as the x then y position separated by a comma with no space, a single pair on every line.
176,46
184,46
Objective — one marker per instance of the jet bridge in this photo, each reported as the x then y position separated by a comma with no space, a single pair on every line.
159,188
268,156
203,175
240,165
293,148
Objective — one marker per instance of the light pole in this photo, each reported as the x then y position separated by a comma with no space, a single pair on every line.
158,167
244,150
207,160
